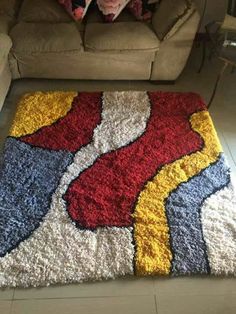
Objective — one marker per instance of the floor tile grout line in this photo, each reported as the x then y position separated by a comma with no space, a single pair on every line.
105,297
117,296
155,298
4,290
84,297
11,307
227,293
13,295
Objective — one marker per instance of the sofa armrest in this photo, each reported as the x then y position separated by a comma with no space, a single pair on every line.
5,45
173,53
170,16
5,74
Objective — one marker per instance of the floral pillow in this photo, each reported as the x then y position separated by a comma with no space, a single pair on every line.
142,9
76,8
111,8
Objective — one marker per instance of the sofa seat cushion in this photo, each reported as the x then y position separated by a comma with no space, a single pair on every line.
84,65
43,11
123,36
40,37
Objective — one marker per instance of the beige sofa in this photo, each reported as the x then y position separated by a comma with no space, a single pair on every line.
38,39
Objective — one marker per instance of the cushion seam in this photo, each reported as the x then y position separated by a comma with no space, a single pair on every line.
56,51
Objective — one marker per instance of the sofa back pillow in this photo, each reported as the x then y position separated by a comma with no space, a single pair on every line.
170,15
76,8
142,9
111,8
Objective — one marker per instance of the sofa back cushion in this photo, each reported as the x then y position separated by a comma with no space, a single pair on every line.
170,15
36,38
48,11
9,7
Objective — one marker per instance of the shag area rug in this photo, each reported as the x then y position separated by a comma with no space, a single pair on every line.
100,185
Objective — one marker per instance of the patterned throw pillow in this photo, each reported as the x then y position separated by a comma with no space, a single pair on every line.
142,9
111,8
76,8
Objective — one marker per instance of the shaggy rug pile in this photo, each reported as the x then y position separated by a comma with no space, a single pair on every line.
100,185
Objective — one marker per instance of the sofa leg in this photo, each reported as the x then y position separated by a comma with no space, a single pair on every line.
160,82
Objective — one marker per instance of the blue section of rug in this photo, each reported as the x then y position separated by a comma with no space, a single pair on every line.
183,208
29,176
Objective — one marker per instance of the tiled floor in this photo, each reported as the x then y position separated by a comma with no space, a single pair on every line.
139,296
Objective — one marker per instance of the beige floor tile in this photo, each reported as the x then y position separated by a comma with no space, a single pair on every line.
117,305
228,152
226,126
119,287
187,286
230,138
6,294
5,307
196,304
225,120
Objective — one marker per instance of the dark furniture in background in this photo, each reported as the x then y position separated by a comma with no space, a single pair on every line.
222,44
232,7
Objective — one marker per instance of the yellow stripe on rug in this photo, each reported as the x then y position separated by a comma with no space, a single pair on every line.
151,231
38,109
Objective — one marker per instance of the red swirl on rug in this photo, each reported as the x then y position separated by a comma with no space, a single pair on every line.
105,193
72,131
